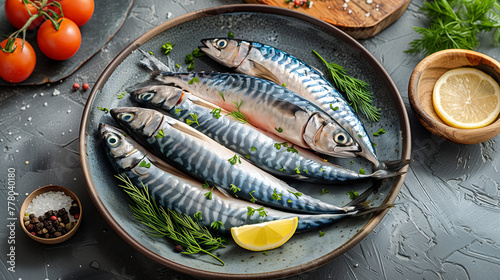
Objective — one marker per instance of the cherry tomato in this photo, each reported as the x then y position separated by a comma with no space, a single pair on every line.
61,44
17,13
17,66
79,11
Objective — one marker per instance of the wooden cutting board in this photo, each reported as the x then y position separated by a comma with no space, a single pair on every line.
361,19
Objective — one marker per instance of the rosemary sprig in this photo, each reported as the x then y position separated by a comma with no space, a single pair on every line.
356,90
454,24
179,228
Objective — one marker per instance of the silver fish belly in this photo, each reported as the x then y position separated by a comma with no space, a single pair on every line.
265,150
267,62
202,158
184,195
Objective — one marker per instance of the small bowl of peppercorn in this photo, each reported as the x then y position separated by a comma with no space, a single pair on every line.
51,214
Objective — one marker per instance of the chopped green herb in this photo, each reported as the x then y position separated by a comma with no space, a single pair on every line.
357,91
307,171
289,201
205,185
237,114
321,169
253,198
323,191
278,145
197,215
234,188
352,162
265,253
352,194
104,109
374,144
189,58
177,111
380,131
235,159
121,94
276,196
360,136
247,156
279,129
283,85
281,169
222,95
151,53
321,233
216,112
190,66
194,120
197,52
193,80
208,195
292,150
260,210
144,164
334,108
297,194
160,133
253,149
297,170
167,47
177,65
361,171
216,225
230,35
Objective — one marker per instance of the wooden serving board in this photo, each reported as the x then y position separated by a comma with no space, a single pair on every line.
361,19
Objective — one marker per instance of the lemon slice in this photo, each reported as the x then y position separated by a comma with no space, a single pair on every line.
466,98
264,236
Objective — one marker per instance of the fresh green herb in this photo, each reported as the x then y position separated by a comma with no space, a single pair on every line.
276,196
307,171
321,233
454,24
222,95
247,156
297,194
265,252
177,111
253,149
208,195
334,108
216,112
167,47
321,169
178,228
151,53
352,162
193,80
278,145
235,159
253,198
190,66
197,52
189,58
197,216
352,194
289,201
216,225
356,90
279,129
177,65
374,144
194,120
160,133
144,164
283,85
361,171
260,210
104,109
205,185
323,191
234,188
230,35
297,170
237,114
292,150
120,95
360,136
380,131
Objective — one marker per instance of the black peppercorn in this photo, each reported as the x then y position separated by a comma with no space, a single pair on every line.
32,216
38,226
57,234
178,248
35,220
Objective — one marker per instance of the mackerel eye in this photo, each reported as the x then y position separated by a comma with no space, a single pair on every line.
127,117
113,141
221,44
341,138
146,96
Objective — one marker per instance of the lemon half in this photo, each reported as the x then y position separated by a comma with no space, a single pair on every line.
466,98
264,236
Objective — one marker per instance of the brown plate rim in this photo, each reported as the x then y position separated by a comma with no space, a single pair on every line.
371,224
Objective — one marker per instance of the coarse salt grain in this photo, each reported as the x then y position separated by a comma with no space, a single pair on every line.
52,200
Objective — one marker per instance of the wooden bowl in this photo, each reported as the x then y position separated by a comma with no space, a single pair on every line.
30,198
421,85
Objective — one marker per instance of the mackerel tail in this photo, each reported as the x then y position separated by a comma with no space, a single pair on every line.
171,189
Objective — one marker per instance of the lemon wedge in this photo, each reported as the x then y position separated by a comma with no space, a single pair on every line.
264,236
466,98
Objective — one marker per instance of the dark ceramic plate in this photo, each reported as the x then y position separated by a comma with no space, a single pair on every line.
296,34
107,19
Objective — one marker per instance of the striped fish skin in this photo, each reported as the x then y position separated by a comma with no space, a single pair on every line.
200,157
267,62
186,195
263,149
266,105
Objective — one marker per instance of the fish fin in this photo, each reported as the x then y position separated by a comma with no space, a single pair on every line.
206,104
383,173
396,164
263,72
316,69
152,63
223,191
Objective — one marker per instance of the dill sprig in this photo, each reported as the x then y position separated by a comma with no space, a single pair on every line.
178,228
454,24
238,114
356,91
